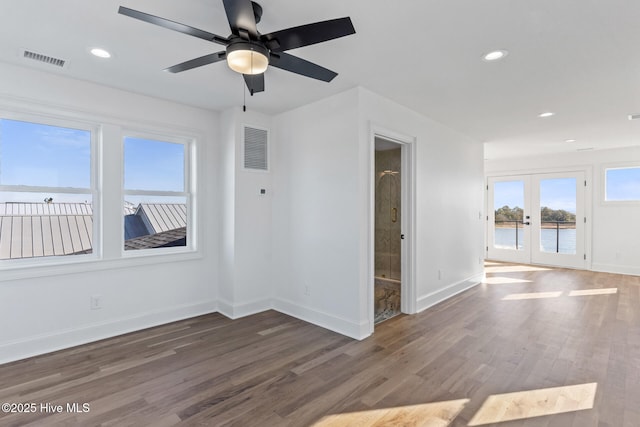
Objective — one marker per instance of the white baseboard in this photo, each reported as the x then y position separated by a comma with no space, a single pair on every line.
440,295
342,326
59,340
244,309
616,269
46,343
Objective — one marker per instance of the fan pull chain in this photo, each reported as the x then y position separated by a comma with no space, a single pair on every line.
244,98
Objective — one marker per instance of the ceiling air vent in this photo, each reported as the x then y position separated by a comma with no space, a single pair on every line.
43,58
255,149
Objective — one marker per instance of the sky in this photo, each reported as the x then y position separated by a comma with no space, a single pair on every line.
556,194
42,155
623,184
50,156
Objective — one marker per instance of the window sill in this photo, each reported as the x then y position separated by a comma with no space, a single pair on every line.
29,270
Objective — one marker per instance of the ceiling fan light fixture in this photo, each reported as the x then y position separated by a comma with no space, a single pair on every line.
247,58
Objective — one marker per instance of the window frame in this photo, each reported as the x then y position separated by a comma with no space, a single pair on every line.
615,166
189,144
94,130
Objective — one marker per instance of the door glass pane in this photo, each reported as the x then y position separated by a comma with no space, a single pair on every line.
508,202
558,215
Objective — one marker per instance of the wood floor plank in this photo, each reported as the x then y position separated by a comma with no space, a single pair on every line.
498,341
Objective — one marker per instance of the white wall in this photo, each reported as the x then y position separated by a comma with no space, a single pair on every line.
245,285
321,209
303,248
449,199
615,243
48,309
317,201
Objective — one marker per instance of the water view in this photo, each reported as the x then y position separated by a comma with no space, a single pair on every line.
551,240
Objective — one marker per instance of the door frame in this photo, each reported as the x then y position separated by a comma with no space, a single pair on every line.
408,293
587,170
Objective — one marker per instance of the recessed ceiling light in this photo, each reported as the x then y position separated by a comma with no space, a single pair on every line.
569,140
546,114
495,55
100,53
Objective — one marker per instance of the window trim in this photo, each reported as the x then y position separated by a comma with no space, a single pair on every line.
189,194
93,190
612,166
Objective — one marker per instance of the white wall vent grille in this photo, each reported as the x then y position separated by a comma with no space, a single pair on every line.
255,149
43,58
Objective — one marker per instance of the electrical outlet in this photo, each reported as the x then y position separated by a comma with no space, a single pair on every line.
96,302
439,274
306,290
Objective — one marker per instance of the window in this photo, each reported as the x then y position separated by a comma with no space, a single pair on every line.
622,184
156,194
46,189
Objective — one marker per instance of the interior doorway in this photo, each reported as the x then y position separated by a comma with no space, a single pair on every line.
537,219
387,230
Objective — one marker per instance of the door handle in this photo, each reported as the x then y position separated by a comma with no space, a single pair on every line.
527,223
402,237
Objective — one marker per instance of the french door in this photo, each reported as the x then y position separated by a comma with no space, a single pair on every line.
537,219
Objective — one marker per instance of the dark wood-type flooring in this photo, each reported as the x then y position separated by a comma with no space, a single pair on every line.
547,347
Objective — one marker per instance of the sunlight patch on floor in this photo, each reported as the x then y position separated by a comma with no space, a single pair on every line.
513,268
501,280
533,295
585,292
437,414
575,293
535,403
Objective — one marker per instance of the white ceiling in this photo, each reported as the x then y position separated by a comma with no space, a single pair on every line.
577,58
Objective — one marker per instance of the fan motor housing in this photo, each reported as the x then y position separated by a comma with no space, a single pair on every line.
240,44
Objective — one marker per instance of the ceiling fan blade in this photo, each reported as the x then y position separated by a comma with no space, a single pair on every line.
176,26
241,18
255,82
198,62
309,34
287,62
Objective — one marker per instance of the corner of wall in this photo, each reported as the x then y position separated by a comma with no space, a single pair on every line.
358,331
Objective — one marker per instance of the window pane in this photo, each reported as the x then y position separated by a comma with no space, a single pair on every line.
43,225
153,165
40,155
508,204
154,222
558,206
623,184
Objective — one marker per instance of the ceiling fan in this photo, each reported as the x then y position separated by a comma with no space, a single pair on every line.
250,53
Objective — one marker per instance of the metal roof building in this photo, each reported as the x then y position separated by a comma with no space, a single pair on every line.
40,229
30,230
